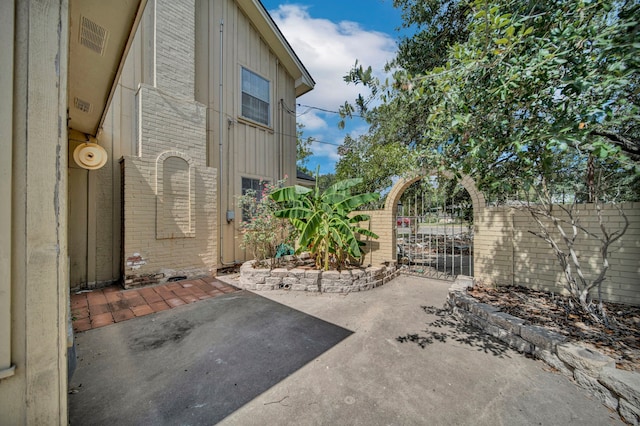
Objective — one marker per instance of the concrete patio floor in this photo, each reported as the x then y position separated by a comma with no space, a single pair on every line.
337,378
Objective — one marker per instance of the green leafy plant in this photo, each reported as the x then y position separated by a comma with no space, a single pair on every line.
263,233
324,222
509,92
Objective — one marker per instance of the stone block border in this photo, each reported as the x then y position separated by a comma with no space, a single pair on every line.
301,279
618,390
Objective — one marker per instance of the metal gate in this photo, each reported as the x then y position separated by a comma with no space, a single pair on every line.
435,230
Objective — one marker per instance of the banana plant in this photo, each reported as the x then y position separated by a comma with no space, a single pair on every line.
323,220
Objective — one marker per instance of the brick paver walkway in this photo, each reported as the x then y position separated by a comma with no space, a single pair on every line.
107,305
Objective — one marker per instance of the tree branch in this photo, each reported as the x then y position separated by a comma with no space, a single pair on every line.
628,146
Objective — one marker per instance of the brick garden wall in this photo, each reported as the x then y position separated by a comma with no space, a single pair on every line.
381,250
506,253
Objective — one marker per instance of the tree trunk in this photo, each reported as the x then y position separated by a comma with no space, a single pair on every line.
591,180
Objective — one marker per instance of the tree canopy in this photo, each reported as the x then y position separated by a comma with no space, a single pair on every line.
379,162
303,148
510,92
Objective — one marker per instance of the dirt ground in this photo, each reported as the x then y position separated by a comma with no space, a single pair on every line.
619,340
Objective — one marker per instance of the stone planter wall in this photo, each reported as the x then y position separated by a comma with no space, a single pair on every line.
619,390
304,279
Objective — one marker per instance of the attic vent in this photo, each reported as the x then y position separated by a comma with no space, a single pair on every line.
93,35
82,105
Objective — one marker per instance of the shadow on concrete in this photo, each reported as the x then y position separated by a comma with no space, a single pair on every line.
192,365
447,328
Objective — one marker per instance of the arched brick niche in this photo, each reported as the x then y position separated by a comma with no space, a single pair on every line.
175,196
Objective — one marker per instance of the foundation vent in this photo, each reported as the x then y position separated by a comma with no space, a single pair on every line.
93,35
82,105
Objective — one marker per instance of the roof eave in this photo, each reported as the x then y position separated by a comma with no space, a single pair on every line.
93,76
303,86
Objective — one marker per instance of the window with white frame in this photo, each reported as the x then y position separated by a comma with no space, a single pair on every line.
255,97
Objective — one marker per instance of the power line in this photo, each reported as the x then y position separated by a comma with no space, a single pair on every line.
326,143
313,140
309,108
286,108
325,110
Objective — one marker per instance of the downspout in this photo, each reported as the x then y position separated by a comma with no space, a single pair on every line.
230,123
7,27
223,212
278,120
280,137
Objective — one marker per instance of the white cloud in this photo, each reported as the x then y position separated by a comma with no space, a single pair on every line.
329,50
359,131
311,120
325,150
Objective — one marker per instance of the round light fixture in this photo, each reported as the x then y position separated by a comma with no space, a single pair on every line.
90,156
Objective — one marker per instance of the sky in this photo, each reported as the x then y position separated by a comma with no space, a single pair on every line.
328,36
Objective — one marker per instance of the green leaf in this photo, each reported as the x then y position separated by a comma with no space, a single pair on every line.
293,213
366,232
311,228
289,193
342,186
360,218
352,203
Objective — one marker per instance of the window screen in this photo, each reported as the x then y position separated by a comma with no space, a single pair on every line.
256,185
255,97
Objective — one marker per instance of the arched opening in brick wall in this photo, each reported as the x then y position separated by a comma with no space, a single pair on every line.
431,237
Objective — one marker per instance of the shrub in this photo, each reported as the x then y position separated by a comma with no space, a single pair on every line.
323,222
265,235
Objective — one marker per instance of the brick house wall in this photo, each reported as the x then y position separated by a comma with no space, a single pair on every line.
169,192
